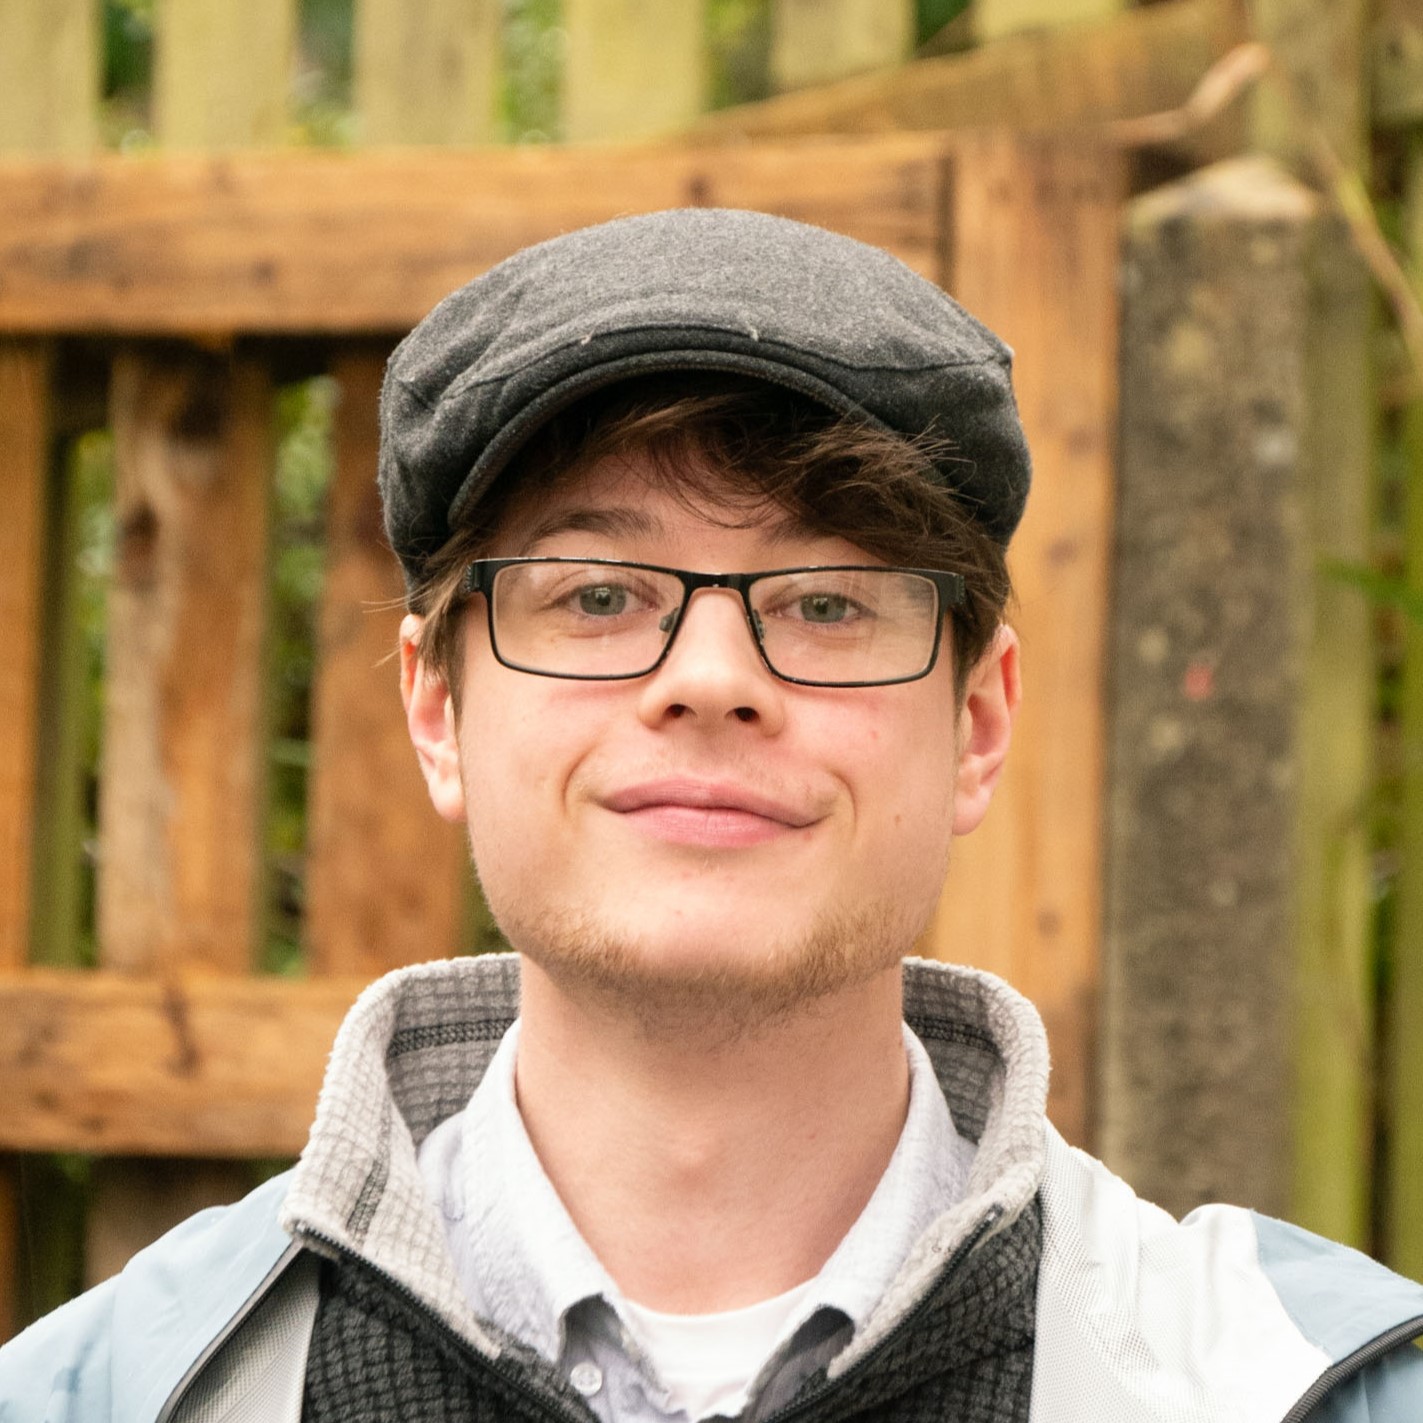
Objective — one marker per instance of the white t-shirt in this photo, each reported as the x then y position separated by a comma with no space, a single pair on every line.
708,1361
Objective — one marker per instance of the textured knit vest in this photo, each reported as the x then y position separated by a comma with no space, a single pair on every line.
965,1353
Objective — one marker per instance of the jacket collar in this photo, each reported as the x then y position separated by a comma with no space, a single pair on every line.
418,1041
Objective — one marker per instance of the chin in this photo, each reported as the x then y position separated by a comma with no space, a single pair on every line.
681,971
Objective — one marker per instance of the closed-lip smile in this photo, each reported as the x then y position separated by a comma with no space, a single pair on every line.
686,810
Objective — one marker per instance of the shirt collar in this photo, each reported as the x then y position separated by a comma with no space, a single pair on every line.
524,1264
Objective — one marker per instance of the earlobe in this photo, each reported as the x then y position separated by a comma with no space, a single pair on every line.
430,718
985,729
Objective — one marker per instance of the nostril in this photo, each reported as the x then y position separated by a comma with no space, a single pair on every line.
745,714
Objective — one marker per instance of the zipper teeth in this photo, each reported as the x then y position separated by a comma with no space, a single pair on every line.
521,1384
965,1247
515,1378
1346,1368
240,1317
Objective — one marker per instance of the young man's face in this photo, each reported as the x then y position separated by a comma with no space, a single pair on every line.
706,829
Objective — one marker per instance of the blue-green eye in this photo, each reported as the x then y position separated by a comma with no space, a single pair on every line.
824,608
603,600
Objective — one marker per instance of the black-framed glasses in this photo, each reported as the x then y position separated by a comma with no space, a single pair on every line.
602,619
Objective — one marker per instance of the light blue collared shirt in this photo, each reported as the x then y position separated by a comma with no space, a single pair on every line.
527,1270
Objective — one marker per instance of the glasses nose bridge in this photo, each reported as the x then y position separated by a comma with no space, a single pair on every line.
736,585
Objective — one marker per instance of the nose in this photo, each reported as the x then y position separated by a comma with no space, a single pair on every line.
713,673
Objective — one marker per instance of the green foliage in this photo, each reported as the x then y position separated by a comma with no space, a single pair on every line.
321,87
739,51
531,93
932,15
303,472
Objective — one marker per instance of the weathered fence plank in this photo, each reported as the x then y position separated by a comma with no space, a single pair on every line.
1320,48
222,72
1142,62
49,89
49,76
632,68
992,19
183,798
182,791
24,465
192,1065
368,807
815,41
357,243
427,73
1034,243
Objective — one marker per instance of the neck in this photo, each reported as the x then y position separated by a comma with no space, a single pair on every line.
707,1175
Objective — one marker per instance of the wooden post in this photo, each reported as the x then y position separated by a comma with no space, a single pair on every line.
1033,237
1237,905
992,19
633,68
816,41
49,86
384,873
427,73
184,791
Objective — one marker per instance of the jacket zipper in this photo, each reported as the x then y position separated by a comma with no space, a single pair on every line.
965,1248
1346,1368
515,1376
239,1318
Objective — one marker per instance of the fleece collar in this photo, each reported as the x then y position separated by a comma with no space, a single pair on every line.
418,1041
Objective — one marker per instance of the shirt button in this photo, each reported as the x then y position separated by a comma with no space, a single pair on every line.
586,1378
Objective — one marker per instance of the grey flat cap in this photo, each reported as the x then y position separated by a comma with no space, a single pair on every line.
694,289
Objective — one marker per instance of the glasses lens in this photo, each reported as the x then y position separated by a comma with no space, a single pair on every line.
583,619
840,626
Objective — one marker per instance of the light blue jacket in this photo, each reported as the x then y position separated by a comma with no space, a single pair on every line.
1224,1317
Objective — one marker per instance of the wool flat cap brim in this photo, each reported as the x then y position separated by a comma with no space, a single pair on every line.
698,289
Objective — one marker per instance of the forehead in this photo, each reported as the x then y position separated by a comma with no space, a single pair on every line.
633,495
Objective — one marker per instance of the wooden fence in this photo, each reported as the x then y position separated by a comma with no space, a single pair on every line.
175,293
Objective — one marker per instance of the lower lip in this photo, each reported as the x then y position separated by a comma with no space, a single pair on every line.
707,827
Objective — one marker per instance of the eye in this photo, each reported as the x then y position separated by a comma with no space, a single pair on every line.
603,600
826,608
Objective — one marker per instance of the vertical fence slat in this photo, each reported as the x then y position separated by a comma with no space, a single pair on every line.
427,73
182,802
816,41
182,793
1034,242
49,88
992,19
368,806
24,460
49,76
633,68
182,798
222,72
367,802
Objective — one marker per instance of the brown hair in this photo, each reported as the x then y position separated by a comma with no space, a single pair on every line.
739,445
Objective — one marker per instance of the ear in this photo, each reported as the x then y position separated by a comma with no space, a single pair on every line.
985,728
430,718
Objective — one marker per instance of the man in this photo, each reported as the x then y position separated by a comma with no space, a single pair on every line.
703,517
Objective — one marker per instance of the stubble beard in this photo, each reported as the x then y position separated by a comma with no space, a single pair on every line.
721,999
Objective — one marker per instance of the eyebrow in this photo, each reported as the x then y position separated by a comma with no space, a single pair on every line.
633,523
613,523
